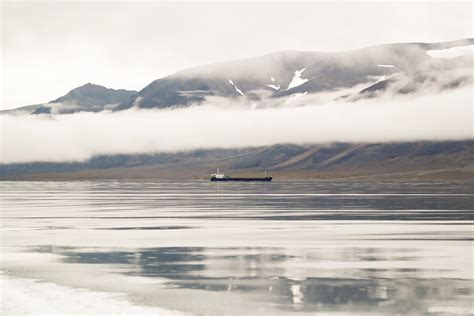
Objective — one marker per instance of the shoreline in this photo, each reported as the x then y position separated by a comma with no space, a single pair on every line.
173,174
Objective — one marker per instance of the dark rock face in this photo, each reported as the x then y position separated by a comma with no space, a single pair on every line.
163,93
42,110
90,95
86,98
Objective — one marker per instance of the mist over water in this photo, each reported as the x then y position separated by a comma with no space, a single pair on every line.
223,123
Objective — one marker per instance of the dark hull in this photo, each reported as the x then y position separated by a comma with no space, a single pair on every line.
265,179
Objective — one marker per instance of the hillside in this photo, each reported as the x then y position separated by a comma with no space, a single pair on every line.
377,72
86,98
287,73
420,160
395,68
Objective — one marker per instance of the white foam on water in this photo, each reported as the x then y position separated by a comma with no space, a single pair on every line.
21,296
451,310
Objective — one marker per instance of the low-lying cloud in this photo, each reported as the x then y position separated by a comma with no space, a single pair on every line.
452,52
220,123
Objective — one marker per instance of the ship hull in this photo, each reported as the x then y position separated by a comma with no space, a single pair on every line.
227,179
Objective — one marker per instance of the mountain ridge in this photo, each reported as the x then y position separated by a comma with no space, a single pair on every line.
86,98
276,75
315,71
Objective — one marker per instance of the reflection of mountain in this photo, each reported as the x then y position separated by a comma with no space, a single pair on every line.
262,271
420,160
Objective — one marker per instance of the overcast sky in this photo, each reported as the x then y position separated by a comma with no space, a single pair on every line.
48,48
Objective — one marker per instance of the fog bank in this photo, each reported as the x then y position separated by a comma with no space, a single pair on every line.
452,52
222,123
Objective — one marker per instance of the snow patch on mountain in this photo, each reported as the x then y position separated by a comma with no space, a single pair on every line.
275,87
236,88
272,79
451,52
297,80
137,101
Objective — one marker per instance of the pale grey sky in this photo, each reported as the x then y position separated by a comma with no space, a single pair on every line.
51,47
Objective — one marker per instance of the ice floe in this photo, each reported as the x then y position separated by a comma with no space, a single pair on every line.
22,296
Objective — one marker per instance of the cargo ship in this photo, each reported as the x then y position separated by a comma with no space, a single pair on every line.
221,177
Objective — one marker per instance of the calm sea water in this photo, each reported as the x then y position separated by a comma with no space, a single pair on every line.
285,247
